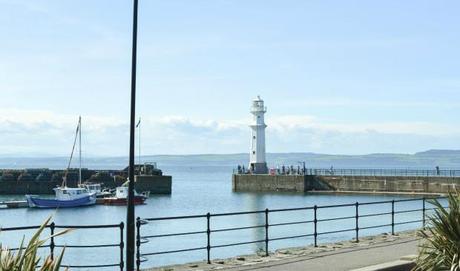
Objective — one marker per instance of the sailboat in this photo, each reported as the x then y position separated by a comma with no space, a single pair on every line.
66,197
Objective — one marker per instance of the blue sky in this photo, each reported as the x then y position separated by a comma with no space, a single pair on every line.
347,77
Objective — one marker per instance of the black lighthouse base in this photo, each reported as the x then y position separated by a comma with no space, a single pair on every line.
258,168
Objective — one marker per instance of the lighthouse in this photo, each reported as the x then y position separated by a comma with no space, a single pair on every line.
257,162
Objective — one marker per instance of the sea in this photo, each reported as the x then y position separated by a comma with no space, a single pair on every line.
200,186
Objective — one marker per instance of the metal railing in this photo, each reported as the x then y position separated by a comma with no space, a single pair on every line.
358,172
314,221
387,172
53,242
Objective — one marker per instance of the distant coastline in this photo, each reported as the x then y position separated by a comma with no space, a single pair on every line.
448,159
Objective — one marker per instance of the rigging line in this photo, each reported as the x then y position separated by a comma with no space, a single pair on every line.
74,143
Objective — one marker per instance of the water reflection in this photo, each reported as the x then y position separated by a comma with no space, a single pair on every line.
256,202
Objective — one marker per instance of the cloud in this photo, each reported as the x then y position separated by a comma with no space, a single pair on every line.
345,102
24,132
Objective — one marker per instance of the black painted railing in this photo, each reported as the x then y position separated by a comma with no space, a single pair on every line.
288,170
315,220
54,242
387,172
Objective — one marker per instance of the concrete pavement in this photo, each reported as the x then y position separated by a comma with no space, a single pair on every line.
342,259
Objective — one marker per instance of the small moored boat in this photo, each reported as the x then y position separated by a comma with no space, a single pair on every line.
121,197
66,197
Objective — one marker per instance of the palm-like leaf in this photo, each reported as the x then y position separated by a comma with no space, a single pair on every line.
440,249
26,258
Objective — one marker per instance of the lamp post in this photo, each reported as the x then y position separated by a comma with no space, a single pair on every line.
138,126
130,216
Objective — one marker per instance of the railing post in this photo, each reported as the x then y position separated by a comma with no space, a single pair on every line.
424,212
266,232
122,246
315,222
393,217
208,233
357,224
52,244
138,244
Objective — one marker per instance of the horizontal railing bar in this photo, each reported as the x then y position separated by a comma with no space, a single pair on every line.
88,246
236,229
408,222
17,248
407,200
174,217
336,218
291,209
86,226
381,172
173,251
90,266
173,234
408,211
61,227
338,231
238,244
291,237
291,223
237,213
376,202
20,228
336,206
432,209
377,214
374,227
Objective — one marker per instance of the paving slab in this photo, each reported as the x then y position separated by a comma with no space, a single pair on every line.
341,260
340,256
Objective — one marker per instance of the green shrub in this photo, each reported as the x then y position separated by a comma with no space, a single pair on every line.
440,249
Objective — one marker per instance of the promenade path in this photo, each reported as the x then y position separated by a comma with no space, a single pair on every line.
343,259
339,256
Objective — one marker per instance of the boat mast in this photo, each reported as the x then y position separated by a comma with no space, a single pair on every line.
79,147
77,132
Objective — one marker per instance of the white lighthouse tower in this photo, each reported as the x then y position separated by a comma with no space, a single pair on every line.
257,162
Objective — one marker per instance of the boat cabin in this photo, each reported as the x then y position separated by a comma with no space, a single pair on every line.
68,193
122,192
93,188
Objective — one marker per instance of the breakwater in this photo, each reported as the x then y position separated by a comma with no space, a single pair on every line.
42,181
348,183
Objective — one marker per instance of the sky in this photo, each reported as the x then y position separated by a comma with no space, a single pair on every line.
339,77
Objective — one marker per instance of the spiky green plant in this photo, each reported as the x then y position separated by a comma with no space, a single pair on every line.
440,248
26,258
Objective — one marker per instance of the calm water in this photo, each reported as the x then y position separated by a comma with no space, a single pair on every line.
196,190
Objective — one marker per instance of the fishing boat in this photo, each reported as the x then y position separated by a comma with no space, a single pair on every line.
121,197
66,197
97,189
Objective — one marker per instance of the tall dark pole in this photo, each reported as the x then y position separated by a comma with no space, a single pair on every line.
130,221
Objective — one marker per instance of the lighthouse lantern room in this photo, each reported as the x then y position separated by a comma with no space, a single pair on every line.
257,162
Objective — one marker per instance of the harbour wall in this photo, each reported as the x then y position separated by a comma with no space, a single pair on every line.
154,184
42,181
299,183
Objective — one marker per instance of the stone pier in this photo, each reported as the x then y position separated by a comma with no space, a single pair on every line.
300,183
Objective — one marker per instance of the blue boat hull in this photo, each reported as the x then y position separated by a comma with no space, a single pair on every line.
53,203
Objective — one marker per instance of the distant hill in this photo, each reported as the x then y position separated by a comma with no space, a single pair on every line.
423,160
